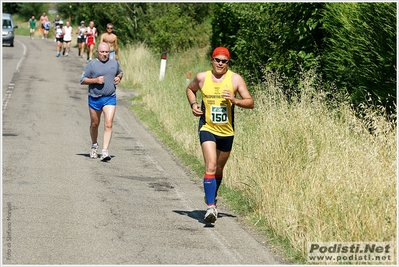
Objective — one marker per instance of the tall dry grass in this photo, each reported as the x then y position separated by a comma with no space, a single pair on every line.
312,172
316,173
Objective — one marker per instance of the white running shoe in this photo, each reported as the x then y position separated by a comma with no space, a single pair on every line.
93,152
105,156
211,214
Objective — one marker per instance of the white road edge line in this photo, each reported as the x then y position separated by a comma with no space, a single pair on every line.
11,85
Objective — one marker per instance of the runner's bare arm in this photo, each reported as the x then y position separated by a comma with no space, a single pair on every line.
239,85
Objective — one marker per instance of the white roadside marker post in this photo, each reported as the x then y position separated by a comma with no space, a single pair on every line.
163,66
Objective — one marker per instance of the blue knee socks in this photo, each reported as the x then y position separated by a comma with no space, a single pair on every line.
210,188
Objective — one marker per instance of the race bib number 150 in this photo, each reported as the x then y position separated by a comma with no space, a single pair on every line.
219,114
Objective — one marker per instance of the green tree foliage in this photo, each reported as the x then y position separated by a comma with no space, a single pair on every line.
10,8
350,44
26,10
361,53
284,37
175,27
163,26
122,15
241,28
164,30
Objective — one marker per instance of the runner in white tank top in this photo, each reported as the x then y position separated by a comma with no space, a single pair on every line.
67,31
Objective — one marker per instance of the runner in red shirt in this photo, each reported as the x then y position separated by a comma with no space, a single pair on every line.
91,34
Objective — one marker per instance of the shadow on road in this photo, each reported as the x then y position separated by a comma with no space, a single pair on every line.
199,216
87,155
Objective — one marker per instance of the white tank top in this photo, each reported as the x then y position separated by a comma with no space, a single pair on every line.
68,33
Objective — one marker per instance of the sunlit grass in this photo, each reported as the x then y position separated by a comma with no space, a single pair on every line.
308,171
316,174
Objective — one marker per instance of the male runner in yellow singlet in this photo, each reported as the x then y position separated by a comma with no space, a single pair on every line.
219,88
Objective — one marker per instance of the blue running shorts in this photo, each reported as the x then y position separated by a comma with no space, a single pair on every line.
112,54
97,103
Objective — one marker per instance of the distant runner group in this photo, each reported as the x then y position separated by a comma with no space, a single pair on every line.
86,36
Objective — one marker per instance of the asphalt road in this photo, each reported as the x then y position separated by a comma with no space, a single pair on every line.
61,207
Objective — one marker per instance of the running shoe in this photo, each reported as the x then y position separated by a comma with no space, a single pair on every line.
58,54
105,156
211,214
93,152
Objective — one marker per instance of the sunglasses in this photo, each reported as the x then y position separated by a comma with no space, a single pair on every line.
110,28
224,61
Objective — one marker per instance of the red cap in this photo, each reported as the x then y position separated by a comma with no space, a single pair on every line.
221,51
